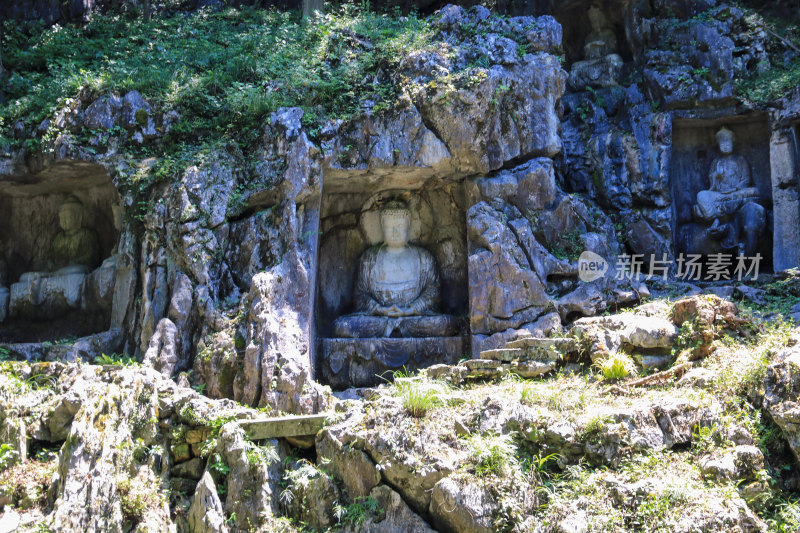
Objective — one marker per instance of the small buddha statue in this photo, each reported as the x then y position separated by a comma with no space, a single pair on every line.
602,65
397,288
75,247
729,209
4,292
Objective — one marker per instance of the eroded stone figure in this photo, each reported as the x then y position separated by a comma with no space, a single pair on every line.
4,292
729,211
602,65
397,289
74,252
75,246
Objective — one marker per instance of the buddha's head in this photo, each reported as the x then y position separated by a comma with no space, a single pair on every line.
395,221
597,18
725,140
70,215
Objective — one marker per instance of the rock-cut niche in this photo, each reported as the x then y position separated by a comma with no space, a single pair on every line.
58,229
722,189
392,283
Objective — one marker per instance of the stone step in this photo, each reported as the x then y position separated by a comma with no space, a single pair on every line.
543,349
283,426
530,369
485,369
505,355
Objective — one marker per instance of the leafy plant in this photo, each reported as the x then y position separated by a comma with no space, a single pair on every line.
8,456
419,395
116,360
617,366
492,454
219,465
356,513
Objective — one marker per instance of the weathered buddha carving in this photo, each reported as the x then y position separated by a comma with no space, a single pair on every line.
728,212
4,292
397,288
602,65
75,247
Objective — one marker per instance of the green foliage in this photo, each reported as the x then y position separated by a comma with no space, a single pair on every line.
354,514
219,465
569,246
774,83
418,395
617,366
492,454
706,438
8,456
785,518
261,454
529,394
224,72
116,359
137,499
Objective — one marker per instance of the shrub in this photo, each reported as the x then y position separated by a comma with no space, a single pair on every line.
419,397
8,456
493,454
617,366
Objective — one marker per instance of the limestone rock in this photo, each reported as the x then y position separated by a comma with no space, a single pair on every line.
252,486
314,497
457,507
206,514
605,335
163,353
505,291
350,465
103,113
374,143
395,515
709,314
781,391
535,83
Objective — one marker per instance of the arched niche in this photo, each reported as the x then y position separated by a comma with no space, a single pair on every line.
58,281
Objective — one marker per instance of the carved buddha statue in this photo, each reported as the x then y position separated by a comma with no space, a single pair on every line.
75,247
397,288
729,209
602,65
4,292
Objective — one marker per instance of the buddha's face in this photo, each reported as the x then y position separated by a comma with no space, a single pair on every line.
70,217
725,144
395,228
596,18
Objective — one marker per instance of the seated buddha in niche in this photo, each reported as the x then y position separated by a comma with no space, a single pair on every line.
397,287
73,253
729,210
602,65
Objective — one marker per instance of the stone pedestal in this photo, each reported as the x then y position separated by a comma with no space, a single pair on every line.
45,295
362,362
603,72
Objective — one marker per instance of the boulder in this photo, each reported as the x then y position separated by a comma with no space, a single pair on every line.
459,506
781,393
605,335
206,514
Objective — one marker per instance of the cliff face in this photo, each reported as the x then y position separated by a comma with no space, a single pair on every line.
228,230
